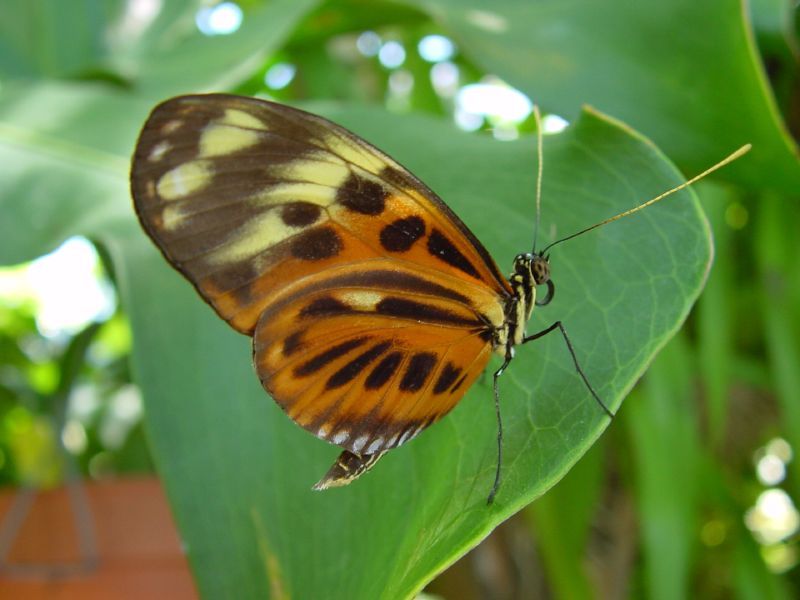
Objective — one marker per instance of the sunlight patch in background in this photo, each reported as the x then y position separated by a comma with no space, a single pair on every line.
137,16
279,75
392,54
494,99
369,43
774,519
222,19
554,124
489,103
436,48
495,102
445,77
65,287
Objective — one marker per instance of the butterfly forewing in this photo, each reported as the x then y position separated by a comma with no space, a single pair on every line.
372,306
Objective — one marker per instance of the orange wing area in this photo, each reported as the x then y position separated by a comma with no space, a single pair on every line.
370,355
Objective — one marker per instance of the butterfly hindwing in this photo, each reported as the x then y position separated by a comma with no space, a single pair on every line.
367,359
371,304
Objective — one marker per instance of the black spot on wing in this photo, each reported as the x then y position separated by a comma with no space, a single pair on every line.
300,214
316,244
320,360
383,371
419,367
446,378
326,306
352,369
362,195
459,383
401,234
418,311
398,178
293,343
443,249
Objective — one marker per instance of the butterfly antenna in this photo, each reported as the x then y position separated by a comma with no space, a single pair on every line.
537,117
743,150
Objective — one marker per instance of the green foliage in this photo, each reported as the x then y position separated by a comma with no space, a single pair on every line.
238,473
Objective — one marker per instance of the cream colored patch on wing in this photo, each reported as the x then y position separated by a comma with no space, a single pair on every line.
159,150
313,171
260,232
361,299
221,140
171,217
184,179
356,154
171,126
240,118
314,193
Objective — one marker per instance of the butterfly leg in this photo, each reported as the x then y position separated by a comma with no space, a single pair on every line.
497,374
347,467
560,326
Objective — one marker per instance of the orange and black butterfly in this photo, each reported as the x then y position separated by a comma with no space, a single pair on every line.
372,307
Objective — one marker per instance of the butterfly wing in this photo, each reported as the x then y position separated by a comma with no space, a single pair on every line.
371,304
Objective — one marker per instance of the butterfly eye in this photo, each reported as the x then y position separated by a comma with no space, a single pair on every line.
540,270
551,291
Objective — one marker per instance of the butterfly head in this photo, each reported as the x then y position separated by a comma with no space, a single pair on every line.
533,269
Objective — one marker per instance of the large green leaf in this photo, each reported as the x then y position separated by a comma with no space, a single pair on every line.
65,152
686,73
238,472
53,38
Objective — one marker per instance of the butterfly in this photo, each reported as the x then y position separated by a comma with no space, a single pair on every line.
372,307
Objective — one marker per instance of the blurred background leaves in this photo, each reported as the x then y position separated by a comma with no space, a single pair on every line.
691,492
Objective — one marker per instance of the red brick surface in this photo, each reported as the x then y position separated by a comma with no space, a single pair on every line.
137,545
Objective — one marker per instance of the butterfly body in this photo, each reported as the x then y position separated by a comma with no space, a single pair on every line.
371,305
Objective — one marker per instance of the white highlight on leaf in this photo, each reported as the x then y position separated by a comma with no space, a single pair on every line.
488,21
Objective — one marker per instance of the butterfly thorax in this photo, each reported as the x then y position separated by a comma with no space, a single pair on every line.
530,270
